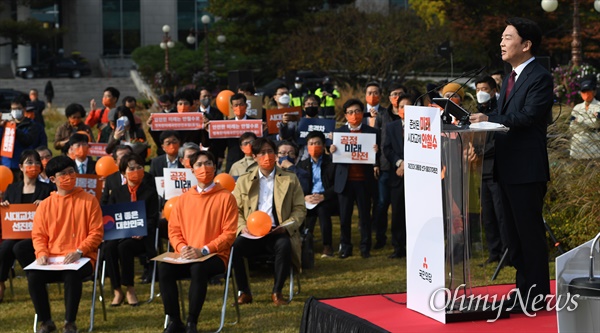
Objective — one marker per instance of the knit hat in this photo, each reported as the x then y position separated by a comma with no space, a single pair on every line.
454,87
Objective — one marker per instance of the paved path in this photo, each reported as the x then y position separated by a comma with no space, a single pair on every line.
67,90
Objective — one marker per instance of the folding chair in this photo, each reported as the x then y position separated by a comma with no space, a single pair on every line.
93,278
228,277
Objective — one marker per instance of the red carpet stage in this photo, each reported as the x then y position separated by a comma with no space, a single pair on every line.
388,313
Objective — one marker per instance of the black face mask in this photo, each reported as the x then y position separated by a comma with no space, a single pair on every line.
312,111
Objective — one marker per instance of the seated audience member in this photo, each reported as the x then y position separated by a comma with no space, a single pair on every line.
320,192
75,113
117,178
278,193
120,253
45,155
26,134
247,163
195,233
79,146
170,142
67,224
126,131
287,154
185,151
29,190
234,152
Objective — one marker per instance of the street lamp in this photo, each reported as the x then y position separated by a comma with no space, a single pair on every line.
551,5
192,39
166,44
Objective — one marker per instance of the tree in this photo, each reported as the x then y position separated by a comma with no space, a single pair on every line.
29,31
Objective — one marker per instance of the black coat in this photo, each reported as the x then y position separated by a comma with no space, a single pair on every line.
327,175
14,192
393,149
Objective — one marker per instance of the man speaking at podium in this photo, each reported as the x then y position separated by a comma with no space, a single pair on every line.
521,163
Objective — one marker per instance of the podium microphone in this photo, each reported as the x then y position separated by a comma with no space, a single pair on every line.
471,74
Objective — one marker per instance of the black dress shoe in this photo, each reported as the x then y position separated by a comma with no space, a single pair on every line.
345,254
365,255
396,255
47,327
379,245
175,327
191,328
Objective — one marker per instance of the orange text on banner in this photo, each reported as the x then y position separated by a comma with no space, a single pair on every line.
97,149
275,116
221,129
188,121
8,139
92,184
17,221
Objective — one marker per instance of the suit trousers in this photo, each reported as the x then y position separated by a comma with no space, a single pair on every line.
7,257
24,252
492,214
278,245
380,211
398,219
323,211
199,272
527,244
122,251
355,191
73,283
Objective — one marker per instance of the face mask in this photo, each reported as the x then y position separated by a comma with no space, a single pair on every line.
81,152
395,100
247,149
33,97
74,122
284,99
32,171
373,99
183,108
45,162
172,149
315,151
204,174
587,96
17,114
483,97
456,100
106,102
30,114
267,161
135,176
205,102
298,85
284,158
240,111
66,182
354,119
311,111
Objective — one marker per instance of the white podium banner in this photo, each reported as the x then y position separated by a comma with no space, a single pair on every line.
425,271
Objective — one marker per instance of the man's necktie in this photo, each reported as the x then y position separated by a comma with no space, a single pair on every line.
510,84
81,170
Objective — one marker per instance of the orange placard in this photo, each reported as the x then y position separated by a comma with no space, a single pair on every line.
188,121
8,139
221,129
92,184
17,221
275,116
97,149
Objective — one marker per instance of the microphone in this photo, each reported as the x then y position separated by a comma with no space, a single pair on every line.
472,73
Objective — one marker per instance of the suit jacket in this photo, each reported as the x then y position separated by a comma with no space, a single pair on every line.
327,174
393,149
14,192
158,164
341,170
521,154
90,167
234,153
113,181
289,204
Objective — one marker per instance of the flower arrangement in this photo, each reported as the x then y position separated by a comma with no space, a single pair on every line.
566,82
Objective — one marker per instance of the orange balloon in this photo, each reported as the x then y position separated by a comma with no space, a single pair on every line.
169,206
6,177
259,223
223,101
226,181
106,166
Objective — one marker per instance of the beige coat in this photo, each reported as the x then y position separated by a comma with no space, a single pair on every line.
585,130
289,204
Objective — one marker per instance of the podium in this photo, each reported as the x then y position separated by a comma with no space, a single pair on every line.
443,167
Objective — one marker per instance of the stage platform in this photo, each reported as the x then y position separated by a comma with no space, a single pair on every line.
388,313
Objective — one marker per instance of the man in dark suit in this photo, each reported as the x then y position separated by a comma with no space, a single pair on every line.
170,142
355,182
215,146
234,152
521,163
78,150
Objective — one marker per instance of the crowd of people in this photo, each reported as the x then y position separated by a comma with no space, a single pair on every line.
278,174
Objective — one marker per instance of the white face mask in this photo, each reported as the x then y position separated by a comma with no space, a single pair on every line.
483,97
284,99
298,85
17,114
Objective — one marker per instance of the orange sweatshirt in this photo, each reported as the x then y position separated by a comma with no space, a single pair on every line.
63,224
204,219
